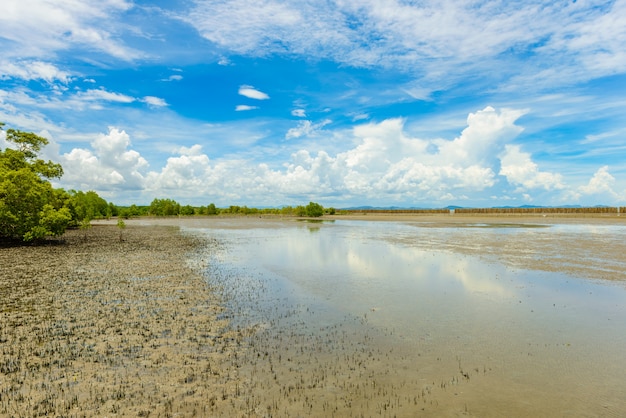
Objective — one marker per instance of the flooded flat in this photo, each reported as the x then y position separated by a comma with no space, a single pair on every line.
357,318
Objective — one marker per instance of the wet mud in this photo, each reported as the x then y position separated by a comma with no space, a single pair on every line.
163,324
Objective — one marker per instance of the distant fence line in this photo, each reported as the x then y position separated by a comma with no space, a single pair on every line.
476,211
598,210
392,211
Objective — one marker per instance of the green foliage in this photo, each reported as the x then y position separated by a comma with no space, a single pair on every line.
187,210
113,210
211,209
131,211
164,207
286,210
240,210
25,156
121,225
51,222
85,225
29,207
87,206
314,210
300,210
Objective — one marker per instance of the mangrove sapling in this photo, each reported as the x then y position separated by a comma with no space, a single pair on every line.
121,225
85,225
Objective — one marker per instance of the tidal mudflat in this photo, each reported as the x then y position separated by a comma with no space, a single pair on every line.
359,318
91,326
284,318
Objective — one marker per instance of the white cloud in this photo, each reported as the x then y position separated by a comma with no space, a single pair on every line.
486,133
360,116
11,115
427,38
600,185
187,173
252,93
384,164
39,28
173,77
388,162
154,101
306,128
591,138
193,150
3,143
598,39
300,113
104,95
521,171
243,108
110,164
93,99
223,61
33,70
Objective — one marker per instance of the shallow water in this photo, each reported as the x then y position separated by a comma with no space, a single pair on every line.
365,318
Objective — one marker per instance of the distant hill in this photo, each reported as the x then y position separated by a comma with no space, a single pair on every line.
454,207
388,208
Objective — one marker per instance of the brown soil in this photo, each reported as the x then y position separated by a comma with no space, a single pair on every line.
94,326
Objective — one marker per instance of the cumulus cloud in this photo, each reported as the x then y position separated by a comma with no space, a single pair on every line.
600,185
519,169
300,113
252,93
193,150
110,164
186,173
486,133
384,164
388,161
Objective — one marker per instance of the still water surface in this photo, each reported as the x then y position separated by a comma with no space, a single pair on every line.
361,317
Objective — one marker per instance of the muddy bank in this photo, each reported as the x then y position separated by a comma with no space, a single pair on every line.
94,326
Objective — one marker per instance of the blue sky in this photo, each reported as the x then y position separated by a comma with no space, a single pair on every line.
345,103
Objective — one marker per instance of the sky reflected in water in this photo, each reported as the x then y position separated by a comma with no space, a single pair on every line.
529,326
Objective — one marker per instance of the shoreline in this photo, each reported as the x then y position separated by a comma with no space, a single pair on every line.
485,218
496,218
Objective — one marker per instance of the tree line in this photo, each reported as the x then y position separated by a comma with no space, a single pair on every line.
32,209
169,207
